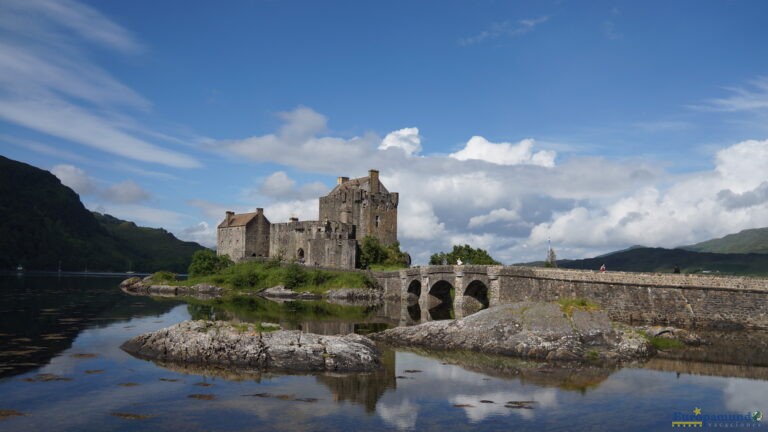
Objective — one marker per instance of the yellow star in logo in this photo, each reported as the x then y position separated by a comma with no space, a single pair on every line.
697,411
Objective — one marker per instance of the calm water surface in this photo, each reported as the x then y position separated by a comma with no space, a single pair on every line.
61,368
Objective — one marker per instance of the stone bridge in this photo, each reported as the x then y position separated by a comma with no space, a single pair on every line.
443,292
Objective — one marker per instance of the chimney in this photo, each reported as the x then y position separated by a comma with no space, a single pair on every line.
230,215
373,175
294,219
259,211
342,180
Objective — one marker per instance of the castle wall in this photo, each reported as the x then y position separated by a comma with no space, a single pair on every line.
257,237
378,217
231,242
329,244
332,253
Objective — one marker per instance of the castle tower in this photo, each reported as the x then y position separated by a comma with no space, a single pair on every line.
366,203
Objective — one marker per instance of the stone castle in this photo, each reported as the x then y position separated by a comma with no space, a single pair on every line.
352,210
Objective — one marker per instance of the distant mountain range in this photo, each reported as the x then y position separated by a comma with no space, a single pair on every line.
747,241
44,226
744,253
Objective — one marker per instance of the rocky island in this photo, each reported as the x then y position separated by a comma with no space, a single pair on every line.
147,286
542,331
254,347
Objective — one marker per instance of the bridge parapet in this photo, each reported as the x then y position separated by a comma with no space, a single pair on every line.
641,279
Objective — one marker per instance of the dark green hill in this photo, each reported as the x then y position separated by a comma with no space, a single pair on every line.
44,223
664,260
150,248
747,241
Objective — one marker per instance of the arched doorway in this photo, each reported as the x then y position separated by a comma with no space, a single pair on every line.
441,301
300,255
475,298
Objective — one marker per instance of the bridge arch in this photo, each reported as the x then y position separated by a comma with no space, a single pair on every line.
414,290
475,297
412,300
441,300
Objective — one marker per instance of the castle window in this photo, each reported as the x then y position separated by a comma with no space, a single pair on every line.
377,221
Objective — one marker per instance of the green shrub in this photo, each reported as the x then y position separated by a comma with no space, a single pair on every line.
163,276
295,276
206,262
246,279
272,263
375,255
318,277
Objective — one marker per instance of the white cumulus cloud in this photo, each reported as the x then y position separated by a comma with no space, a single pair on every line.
279,186
699,206
496,215
406,139
479,148
125,192
75,178
299,143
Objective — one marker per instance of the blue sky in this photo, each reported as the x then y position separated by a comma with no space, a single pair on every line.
599,125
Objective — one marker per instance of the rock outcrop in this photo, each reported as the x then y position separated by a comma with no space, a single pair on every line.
138,286
687,337
250,347
527,330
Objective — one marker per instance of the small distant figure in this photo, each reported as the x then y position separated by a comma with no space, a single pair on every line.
602,268
458,261
676,270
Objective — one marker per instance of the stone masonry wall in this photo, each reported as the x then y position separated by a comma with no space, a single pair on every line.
362,208
231,242
329,244
681,300
257,237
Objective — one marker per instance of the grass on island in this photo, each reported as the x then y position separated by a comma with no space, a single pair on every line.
664,344
255,309
256,276
567,305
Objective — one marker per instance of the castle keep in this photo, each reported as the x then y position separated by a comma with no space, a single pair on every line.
352,210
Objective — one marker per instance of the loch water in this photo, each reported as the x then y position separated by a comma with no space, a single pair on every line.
61,369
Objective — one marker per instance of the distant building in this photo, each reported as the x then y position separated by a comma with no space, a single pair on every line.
352,210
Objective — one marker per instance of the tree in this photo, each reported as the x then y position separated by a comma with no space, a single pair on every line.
205,262
551,258
373,253
466,253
